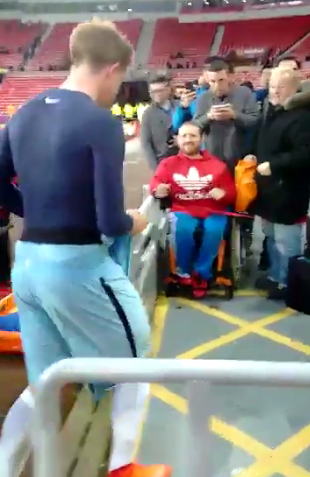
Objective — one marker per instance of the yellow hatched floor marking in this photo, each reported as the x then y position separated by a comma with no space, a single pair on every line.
244,328
268,461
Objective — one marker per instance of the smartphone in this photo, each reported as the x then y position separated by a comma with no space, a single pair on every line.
221,106
190,87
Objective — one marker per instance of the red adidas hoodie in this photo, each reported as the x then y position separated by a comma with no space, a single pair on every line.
191,180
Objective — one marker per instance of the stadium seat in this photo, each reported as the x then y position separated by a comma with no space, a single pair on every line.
276,34
16,37
193,40
19,87
54,50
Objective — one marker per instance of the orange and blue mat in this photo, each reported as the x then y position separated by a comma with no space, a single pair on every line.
10,339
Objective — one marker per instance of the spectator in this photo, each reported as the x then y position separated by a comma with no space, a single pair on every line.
289,62
197,184
157,138
179,90
226,112
202,84
186,108
248,84
261,93
283,179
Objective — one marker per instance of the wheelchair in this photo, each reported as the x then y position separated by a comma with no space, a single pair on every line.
226,266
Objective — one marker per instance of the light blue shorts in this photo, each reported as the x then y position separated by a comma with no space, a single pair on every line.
75,301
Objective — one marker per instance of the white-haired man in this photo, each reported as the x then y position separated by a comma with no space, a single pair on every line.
283,176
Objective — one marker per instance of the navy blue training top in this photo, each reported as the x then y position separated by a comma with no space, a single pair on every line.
68,156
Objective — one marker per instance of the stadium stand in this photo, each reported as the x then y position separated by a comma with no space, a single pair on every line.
17,88
174,43
302,49
15,40
192,40
53,50
276,34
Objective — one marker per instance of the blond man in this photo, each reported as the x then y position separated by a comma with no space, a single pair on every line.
74,300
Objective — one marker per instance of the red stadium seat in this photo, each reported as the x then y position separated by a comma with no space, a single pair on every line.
277,34
19,87
54,50
193,40
17,37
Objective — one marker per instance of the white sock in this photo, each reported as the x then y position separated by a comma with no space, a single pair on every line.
127,412
16,423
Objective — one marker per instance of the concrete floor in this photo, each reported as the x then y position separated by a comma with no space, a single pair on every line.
257,431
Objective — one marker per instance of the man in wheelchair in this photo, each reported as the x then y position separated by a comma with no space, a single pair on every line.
200,189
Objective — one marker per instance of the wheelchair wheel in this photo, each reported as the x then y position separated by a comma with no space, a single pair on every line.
172,289
229,293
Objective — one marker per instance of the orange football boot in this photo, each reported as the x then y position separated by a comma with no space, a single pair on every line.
138,470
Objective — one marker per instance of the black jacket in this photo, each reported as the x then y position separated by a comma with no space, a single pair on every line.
283,139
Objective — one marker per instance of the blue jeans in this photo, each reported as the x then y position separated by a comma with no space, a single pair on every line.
76,301
183,228
283,242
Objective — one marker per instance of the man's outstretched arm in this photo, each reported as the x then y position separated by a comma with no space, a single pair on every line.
108,148
10,196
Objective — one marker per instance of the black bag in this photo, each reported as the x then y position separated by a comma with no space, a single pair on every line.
298,284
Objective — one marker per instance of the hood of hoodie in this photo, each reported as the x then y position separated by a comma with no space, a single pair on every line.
300,99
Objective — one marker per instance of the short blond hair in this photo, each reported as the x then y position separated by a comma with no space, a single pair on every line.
99,43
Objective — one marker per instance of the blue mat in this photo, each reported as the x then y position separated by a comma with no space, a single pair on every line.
10,322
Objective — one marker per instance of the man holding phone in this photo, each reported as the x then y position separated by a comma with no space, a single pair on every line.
186,108
226,112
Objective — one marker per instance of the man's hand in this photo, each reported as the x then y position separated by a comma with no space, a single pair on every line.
264,169
217,194
187,98
139,221
250,158
162,191
173,141
221,114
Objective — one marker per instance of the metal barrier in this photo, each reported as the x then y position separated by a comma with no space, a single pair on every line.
143,270
203,374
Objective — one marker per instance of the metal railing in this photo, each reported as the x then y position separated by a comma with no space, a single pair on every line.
202,374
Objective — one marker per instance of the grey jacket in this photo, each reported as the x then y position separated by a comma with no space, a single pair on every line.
228,140
156,126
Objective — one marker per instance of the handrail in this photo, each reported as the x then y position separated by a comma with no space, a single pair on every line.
146,204
47,414
145,208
